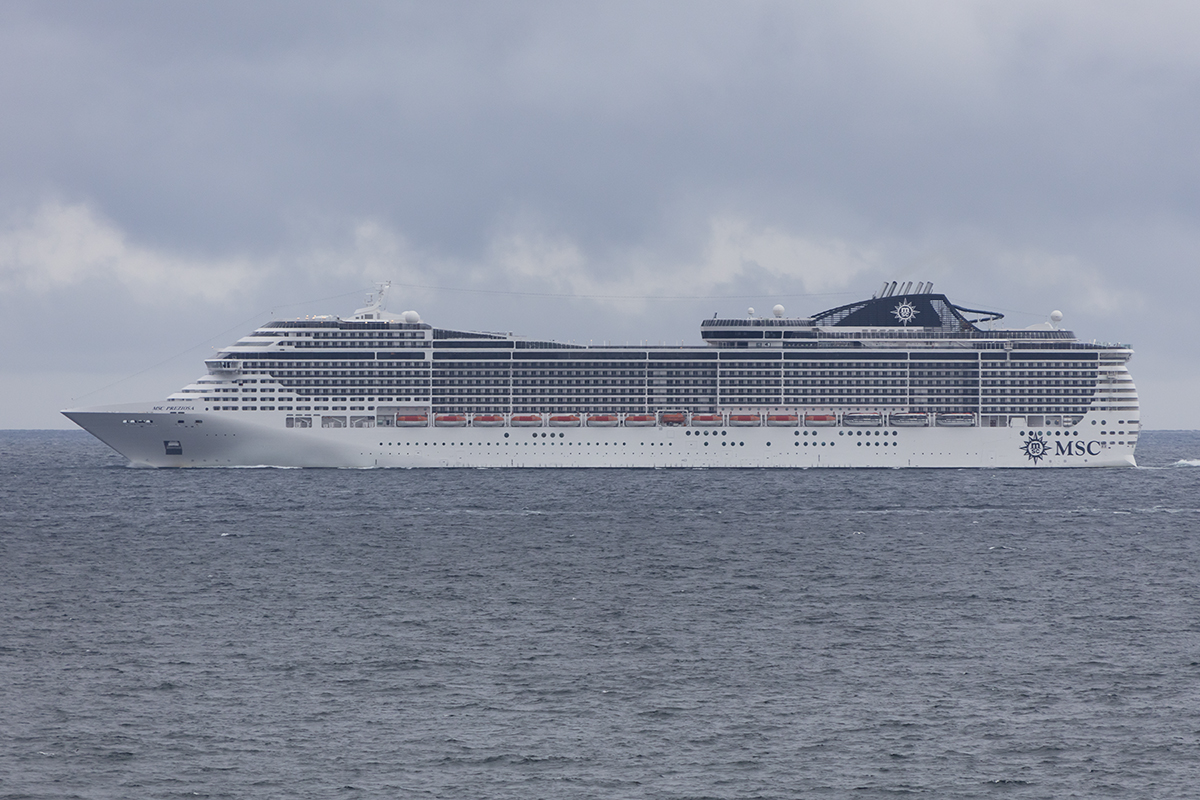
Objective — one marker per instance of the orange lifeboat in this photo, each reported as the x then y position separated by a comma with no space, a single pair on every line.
707,420
412,420
744,420
819,420
674,418
450,420
640,421
525,420
488,420
602,420
782,420
564,421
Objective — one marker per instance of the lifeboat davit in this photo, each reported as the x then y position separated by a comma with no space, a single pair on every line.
956,420
783,420
819,420
707,420
564,421
673,418
908,419
450,420
525,420
488,420
640,421
862,419
744,420
603,420
412,420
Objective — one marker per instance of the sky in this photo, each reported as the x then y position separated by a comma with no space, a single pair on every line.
172,175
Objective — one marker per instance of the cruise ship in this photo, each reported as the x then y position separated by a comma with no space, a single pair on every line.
903,379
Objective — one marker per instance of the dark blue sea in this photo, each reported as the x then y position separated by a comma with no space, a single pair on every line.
264,633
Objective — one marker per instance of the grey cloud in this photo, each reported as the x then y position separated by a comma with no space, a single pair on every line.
1024,155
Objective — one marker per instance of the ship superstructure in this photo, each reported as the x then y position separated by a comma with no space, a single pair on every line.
905,378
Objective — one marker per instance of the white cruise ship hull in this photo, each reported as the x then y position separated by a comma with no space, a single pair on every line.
176,435
900,380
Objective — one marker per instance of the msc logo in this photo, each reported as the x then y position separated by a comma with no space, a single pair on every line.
905,312
1036,448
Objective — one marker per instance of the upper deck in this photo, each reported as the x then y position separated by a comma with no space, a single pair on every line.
906,316
888,319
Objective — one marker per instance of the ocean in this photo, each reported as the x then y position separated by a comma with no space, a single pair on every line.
247,633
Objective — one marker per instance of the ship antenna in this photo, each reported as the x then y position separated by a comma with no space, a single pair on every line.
374,307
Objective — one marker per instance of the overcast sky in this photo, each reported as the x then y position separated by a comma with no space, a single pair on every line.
172,174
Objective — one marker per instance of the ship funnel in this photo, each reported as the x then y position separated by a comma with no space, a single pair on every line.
891,290
882,290
907,286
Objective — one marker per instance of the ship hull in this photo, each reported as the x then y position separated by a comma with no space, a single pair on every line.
158,435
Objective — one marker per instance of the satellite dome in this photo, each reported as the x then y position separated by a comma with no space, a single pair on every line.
1056,316
411,317
777,310
750,311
